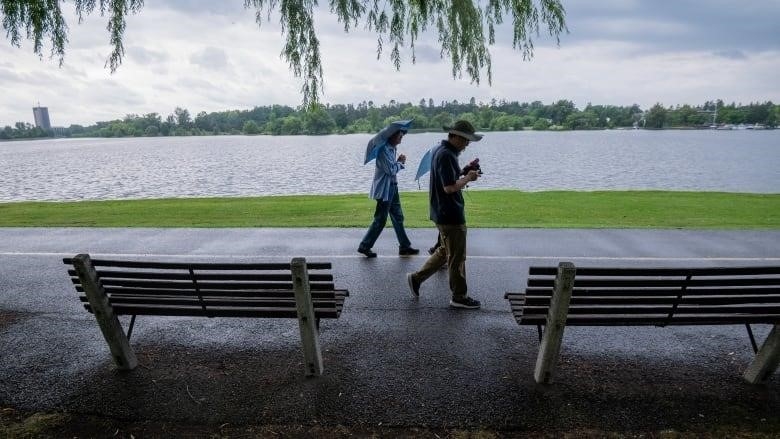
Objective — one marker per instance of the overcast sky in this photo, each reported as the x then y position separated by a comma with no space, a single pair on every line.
211,56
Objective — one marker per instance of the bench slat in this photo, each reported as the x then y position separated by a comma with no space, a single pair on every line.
218,293
185,285
657,300
630,271
649,309
196,311
211,301
616,320
201,265
200,275
588,282
648,292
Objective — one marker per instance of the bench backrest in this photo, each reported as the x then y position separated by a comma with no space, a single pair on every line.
658,296
209,289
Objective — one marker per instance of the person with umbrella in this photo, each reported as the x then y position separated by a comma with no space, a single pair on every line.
384,188
447,211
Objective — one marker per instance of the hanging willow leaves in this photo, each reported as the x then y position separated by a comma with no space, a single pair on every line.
460,25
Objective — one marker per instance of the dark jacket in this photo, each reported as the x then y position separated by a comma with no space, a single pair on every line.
445,208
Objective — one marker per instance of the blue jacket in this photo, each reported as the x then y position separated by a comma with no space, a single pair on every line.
384,174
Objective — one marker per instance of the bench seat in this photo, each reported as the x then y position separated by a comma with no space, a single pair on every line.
599,296
301,290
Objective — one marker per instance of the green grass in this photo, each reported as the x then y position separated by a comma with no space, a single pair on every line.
489,208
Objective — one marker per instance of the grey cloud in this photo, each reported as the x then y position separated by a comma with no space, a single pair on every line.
196,84
211,58
204,7
427,54
121,97
7,74
715,25
145,56
164,88
731,54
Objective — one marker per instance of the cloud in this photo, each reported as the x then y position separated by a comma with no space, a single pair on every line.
731,54
210,58
677,25
144,56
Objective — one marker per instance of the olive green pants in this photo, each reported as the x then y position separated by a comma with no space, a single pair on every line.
452,251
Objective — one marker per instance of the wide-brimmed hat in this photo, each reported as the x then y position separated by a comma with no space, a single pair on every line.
465,129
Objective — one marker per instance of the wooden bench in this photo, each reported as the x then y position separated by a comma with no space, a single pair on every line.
561,296
110,288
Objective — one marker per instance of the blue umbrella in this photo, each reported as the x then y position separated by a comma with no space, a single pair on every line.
425,164
372,149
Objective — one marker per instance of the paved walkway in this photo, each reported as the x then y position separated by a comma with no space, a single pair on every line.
389,359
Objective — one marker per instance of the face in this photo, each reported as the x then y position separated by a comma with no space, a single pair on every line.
459,142
395,139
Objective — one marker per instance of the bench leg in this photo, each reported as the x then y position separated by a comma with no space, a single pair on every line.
767,359
118,343
556,322
310,338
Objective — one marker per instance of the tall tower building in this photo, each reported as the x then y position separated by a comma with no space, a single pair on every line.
42,117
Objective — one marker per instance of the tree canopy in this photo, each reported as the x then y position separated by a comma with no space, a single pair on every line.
366,117
465,28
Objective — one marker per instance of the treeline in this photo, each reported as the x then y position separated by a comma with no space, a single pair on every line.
366,117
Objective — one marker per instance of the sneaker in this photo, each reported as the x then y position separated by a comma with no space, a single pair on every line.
408,251
367,252
465,303
414,287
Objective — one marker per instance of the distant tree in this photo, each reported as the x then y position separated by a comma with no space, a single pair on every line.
655,117
415,113
317,121
182,117
541,125
250,127
471,117
359,126
465,28
582,120
441,119
506,122
291,125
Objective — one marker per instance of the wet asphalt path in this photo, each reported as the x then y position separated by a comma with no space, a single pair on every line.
389,359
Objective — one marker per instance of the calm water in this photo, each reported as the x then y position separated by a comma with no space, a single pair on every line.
76,169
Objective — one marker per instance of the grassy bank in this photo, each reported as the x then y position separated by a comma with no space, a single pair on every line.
491,208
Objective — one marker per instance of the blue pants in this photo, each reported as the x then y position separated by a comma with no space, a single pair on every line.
383,209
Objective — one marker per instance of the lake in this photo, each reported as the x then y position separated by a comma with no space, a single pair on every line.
162,167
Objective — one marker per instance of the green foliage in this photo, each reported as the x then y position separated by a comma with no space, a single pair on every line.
365,117
656,117
460,25
250,127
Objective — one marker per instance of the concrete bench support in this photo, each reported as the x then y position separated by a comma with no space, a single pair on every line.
556,322
310,338
123,354
767,359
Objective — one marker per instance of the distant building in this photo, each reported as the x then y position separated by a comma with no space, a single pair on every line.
42,117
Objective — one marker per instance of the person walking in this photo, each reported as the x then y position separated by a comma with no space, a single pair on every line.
384,189
447,211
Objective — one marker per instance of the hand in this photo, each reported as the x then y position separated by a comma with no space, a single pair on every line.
402,158
472,176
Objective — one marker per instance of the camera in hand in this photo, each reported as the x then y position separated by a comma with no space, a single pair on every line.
472,166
